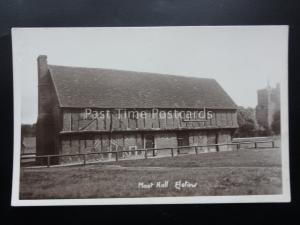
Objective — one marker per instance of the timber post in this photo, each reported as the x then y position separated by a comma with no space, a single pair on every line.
117,159
84,158
48,161
196,150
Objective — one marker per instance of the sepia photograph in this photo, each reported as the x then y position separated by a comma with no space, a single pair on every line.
150,115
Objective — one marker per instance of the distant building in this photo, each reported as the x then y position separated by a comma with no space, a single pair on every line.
268,102
66,92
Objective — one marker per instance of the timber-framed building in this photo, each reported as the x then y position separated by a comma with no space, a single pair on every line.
68,95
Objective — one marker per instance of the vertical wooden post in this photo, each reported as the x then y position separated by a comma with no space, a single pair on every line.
238,145
273,144
146,152
217,148
196,150
153,153
84,159
117,159
48,161
255,145
172,152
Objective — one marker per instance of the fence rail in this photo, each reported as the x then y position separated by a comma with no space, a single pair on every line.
239,145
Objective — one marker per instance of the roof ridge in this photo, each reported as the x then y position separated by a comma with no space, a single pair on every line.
132,71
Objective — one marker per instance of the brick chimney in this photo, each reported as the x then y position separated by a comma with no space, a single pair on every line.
45,123
43,84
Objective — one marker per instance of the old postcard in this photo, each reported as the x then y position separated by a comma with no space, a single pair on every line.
150,115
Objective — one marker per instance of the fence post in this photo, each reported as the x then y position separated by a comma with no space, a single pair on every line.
273,144
196,150
217,148
146,152
172,152
153,153
84,158
48,161
117,156
255,144
238,145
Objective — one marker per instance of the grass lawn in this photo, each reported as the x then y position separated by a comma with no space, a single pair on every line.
243,172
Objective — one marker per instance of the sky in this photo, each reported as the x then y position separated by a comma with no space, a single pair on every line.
242,59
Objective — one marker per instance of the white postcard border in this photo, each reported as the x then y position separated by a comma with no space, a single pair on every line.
284,197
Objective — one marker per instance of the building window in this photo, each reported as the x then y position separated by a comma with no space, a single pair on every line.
149,141
183,139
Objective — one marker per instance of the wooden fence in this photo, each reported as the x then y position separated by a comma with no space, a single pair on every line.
173,150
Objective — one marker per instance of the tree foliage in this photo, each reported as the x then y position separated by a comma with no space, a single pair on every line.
246,121
248,126
28,129
276,123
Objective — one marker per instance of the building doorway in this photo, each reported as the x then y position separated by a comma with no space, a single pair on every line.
212,139
183,140
150,143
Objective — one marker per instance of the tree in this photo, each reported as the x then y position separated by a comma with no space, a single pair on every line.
246,122
28,129
276,123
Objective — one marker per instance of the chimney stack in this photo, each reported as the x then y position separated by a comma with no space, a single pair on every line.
45,123
43,85
42,66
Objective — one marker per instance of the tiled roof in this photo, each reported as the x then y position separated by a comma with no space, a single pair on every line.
104,88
